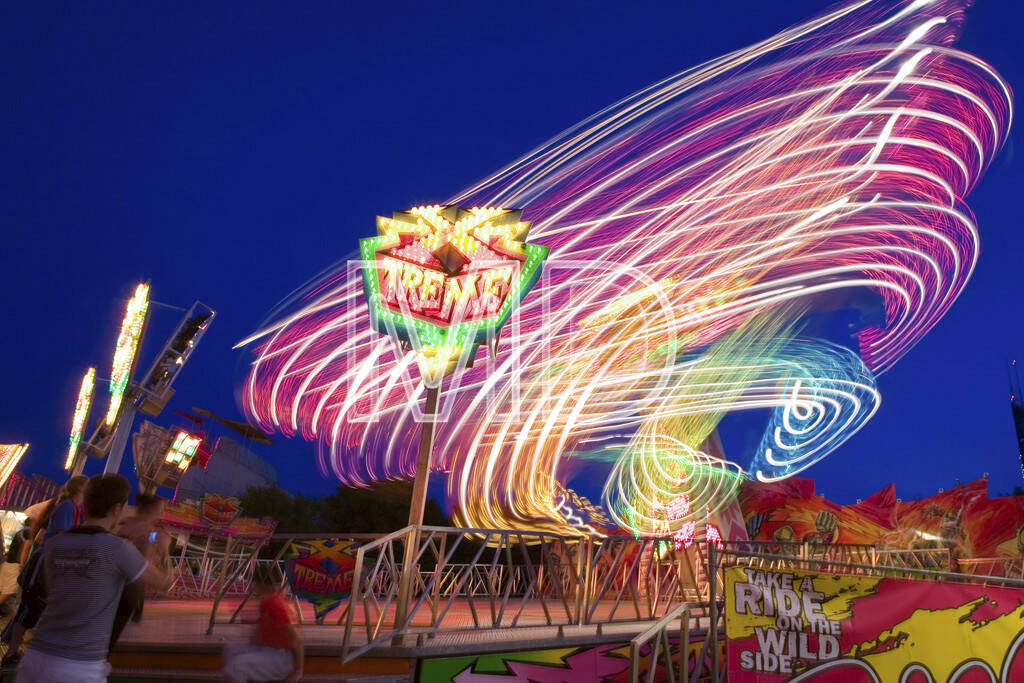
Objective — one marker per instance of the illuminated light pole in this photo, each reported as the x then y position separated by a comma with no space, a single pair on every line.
150,393
81,414
127,349
121,411
10,455
443,280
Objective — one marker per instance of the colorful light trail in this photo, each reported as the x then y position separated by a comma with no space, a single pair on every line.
82,406
695,228
126,349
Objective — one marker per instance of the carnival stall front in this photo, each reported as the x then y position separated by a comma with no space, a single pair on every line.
211,540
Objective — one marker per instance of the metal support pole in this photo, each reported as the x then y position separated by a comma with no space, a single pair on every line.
124,428
416,506
419,486
79,465
713,609
684,647
582,561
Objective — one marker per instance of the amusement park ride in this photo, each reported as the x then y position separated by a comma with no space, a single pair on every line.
706,219
149,394
162,455
443,280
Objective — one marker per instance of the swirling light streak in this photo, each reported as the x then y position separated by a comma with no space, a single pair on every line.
693,227
81,414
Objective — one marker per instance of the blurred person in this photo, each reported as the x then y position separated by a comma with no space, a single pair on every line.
85,570
141,531
12,563
59,515
275,650
69,504
69,510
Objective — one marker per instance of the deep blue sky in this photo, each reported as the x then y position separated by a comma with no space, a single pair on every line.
229,151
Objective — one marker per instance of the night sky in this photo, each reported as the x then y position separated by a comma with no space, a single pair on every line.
229,152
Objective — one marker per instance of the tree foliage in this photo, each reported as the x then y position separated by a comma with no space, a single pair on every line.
347,510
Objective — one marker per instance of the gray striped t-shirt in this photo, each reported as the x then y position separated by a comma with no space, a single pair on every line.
85,574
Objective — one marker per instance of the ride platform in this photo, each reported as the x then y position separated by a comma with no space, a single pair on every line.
170,644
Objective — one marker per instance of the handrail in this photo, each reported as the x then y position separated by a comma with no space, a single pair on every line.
928,573
660,632
378,538
643,637
406,583
252,558
511,578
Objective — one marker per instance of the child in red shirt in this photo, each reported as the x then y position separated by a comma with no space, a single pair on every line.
276,649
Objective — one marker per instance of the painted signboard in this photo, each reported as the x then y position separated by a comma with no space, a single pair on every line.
218,510
598,663
320,572
805,626
216,515
964,519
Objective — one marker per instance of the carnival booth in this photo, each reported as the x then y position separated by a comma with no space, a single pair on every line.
211,543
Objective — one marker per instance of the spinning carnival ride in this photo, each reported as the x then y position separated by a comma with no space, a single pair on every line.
694,227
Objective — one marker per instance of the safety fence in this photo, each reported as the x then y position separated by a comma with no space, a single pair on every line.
425,581
508,579
846,553
668,644
236,570
667,654
202,564
992,566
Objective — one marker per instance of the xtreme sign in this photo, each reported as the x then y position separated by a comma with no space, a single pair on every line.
444,278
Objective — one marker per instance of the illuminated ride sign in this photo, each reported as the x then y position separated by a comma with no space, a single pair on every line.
182,450
127,349
81,414
162,455
445,279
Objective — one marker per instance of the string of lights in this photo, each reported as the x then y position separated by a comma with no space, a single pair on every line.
82,406
126,349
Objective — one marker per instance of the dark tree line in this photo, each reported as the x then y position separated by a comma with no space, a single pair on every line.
347,510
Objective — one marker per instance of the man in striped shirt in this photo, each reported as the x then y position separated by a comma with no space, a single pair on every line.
85,570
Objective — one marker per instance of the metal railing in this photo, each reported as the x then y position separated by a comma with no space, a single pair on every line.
508,579
238,582
992,566
938,559
483,579
654,646
205,564
847,553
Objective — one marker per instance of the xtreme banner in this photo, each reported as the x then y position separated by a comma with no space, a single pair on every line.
806,626
320,572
